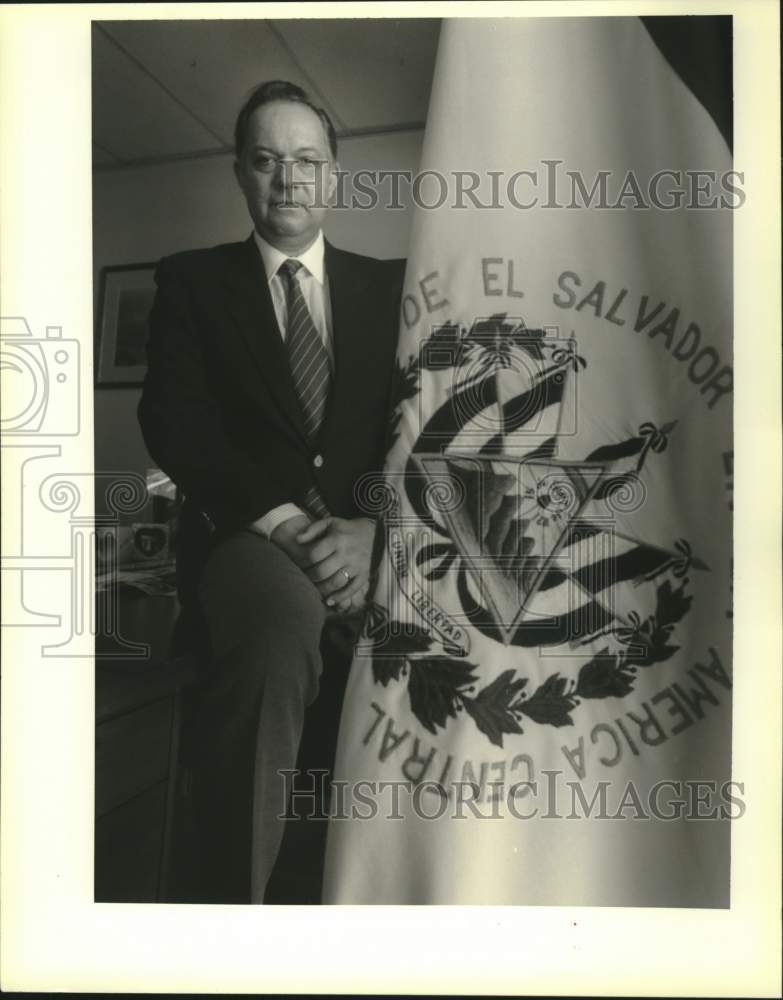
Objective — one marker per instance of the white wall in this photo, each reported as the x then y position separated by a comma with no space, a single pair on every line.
140,214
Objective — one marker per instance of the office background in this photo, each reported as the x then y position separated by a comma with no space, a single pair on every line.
165,98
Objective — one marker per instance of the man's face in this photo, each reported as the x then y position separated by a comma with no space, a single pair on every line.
286,200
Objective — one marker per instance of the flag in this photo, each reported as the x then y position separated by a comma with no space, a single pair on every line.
539,707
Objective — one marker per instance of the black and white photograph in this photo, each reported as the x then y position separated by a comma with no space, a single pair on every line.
529,422
405,566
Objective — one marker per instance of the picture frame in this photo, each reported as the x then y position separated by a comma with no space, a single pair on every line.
126,295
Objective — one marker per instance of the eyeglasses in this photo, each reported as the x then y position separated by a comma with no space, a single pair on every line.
305,166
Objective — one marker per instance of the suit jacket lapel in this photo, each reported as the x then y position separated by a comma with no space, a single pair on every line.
250,303
347,294
365,339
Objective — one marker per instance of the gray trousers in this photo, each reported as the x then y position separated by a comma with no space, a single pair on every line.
265,619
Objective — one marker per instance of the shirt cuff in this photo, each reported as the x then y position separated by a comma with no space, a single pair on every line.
274,518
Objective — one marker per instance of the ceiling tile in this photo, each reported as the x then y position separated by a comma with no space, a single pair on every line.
375,72
132,116
210,66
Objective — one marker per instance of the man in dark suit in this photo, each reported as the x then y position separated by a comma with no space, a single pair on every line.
266,401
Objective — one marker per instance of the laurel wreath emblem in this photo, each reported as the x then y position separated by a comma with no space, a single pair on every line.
441,687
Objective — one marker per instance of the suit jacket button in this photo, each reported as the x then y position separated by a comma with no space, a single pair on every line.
318,461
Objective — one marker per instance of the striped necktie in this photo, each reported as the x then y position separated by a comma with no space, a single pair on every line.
309,361
307,355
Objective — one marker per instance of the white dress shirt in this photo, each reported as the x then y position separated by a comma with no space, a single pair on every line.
315,289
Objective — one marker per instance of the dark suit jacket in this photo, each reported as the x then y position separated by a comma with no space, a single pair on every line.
219,412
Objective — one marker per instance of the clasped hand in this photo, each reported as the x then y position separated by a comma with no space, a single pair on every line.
335,554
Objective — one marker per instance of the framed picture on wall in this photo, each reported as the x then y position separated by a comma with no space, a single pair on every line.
127,291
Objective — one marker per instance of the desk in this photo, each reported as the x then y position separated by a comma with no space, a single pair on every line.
137,704
138,711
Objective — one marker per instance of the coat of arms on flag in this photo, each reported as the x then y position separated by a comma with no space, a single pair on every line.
544,673
529,540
